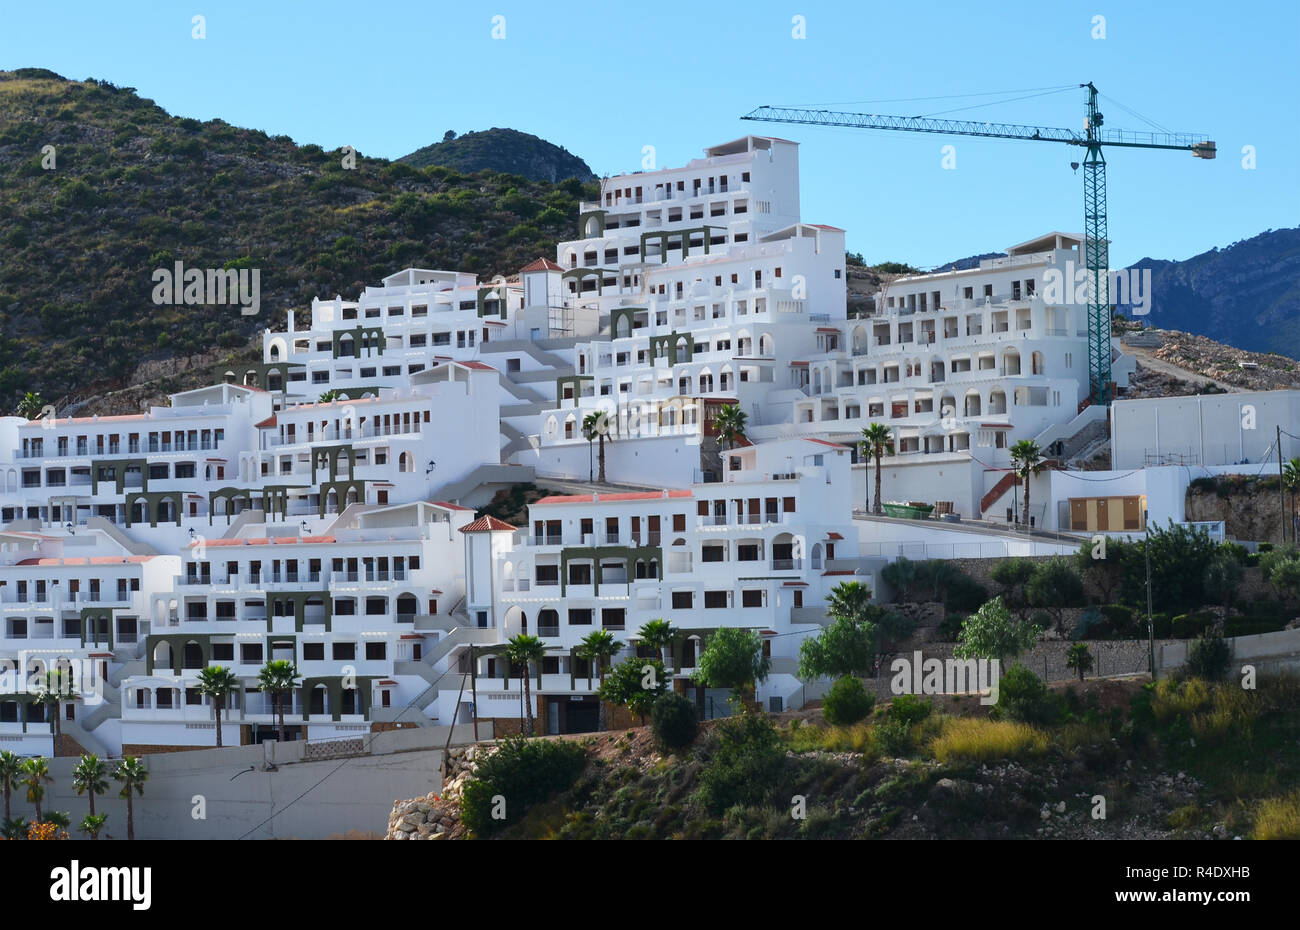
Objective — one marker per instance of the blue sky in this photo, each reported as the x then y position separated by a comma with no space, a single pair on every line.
604,80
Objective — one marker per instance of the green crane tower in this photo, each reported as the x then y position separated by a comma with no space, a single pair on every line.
1093,139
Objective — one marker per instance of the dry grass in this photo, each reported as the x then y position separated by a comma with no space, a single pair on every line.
973,739
1279,818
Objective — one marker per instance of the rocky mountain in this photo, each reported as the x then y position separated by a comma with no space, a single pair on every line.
100,188
503,150
1246,295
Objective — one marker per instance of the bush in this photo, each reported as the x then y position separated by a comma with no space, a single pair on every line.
1023,697
1189,626
674,721
950,626
847,702
972,739
964,593
908,709
745,766
1208,658
523,772
894,737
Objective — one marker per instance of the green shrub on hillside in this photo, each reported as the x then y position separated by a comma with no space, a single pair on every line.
674,721
521,773
847,702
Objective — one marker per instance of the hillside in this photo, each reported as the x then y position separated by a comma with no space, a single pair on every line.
1246,295
1165,760
1182,363
133,189
502,150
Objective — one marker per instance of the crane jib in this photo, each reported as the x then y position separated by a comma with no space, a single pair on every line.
1093,137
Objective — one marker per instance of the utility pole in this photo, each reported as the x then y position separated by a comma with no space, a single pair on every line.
1281,487
1151,634
473,684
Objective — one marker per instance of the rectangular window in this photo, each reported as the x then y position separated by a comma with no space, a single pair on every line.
751,598
683,600
313,652
716,599
378,650
345,652
250,653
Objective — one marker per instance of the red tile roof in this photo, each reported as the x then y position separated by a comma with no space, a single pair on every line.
446,506
629,496
542,264
834,536
486,524
266,424
477,366
823,442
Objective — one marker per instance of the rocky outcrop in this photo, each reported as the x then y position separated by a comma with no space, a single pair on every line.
436,816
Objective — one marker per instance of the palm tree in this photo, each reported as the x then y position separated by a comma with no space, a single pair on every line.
61,819
132,774
730,422
92,824
36,772
596,426
326,397
598,647
1026,460
217,682
877,441
31,405
90,777
659,634
11,770
1291,482
55,689
278,677
522,650
14,828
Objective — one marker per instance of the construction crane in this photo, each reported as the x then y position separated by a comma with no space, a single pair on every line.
1093,138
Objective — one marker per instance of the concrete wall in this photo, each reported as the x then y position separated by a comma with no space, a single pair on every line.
1211,429
667,462
1266,651
354,792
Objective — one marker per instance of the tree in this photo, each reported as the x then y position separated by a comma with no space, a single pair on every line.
992,633
730,422
636,684
60,819
596,426
11,771
1209,657
90,777
733,659
598,647
55,688
523,650
901,576
659,634
674,721
278,678
1012,574
36,773
1026,461
1078,658
1291,483
30,406
217,682
1054,586
329,396
93,824
449,135
1104,562
1223,577
132,774
848,645
877,441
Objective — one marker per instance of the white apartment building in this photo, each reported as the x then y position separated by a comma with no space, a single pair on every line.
760,549
707,284
960,365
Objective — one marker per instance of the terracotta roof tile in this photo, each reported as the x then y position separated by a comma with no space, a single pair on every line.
486,524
